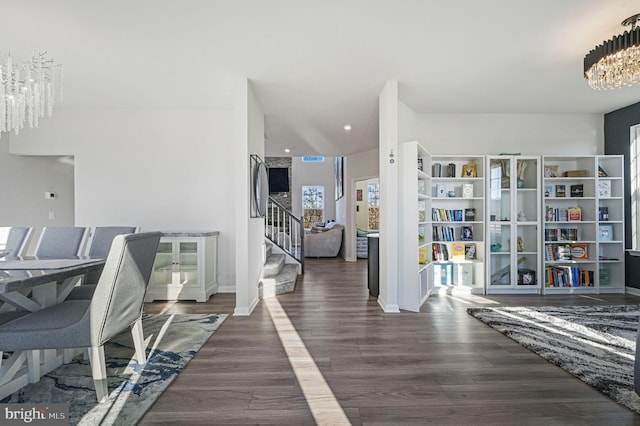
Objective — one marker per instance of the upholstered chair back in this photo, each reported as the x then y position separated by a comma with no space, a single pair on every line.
118,299
61,242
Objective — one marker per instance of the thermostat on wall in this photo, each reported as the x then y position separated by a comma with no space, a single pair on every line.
49,195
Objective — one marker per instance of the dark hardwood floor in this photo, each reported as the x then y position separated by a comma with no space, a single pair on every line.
327,354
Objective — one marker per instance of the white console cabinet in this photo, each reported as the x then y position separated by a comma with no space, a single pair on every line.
185,267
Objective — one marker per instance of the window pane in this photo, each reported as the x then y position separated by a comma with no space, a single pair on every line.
312,205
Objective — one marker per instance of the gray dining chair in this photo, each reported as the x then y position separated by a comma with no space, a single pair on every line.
17,240
99,245
61,242
117,304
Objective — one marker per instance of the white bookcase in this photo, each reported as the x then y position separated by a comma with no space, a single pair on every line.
415,284
457,217
610,218
570,242
513,224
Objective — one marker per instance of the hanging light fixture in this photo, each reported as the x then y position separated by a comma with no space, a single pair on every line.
28,91
616,62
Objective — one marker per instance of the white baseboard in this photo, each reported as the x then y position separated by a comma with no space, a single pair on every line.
227,289
632,290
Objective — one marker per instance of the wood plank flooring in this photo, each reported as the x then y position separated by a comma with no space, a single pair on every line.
440,366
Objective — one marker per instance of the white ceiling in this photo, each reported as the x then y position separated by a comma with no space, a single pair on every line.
316,65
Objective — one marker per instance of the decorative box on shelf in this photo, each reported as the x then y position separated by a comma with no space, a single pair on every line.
185,267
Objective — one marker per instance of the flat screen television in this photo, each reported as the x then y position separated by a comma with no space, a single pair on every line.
278,179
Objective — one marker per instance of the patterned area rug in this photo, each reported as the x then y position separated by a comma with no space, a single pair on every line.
597,344
172,341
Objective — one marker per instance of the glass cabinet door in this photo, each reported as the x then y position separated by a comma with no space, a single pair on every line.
500,214
188,264
526,222
163,265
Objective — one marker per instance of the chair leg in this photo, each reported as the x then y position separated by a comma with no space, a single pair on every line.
33,365
138,341
99,372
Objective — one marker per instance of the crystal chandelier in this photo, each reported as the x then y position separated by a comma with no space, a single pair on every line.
27,91
616,62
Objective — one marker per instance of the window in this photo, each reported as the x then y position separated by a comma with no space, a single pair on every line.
634,170
312,205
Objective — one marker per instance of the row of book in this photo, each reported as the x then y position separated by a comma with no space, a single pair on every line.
571,214
459,251
567,276
456,215
443,170
575,251
561,234
448,233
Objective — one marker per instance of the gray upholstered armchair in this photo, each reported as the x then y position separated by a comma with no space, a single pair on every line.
323,242
116,305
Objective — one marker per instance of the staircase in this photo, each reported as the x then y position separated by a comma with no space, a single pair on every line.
278,277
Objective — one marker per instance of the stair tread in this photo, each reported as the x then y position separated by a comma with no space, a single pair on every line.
273,265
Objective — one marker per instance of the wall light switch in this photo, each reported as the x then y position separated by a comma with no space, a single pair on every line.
49,195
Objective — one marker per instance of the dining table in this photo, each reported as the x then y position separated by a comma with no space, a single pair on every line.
29,284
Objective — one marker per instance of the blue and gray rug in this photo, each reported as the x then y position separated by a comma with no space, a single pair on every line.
597,344
173,341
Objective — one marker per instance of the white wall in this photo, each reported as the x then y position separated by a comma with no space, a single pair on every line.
158,169
23,183
551,134
249,139
314,174
362,213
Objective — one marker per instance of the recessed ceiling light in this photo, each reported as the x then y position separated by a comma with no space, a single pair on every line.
287,150
347,127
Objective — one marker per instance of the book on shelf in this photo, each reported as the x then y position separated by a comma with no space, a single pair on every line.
560,190
443,274
564,252
467,190
561,234
422,256
466,233
440,252
421,235
574,214
469,251
605,233
604,276
603,213
579,251
457,251
451,169
470,214
577,190
441,190
420,164
548,191
604,188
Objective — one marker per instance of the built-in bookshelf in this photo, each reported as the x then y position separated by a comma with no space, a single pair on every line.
513,222
416,268
457,219
583,224
609,184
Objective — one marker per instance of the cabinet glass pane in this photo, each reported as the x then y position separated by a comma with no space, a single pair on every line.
188,252
163,264
499,190
500,253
